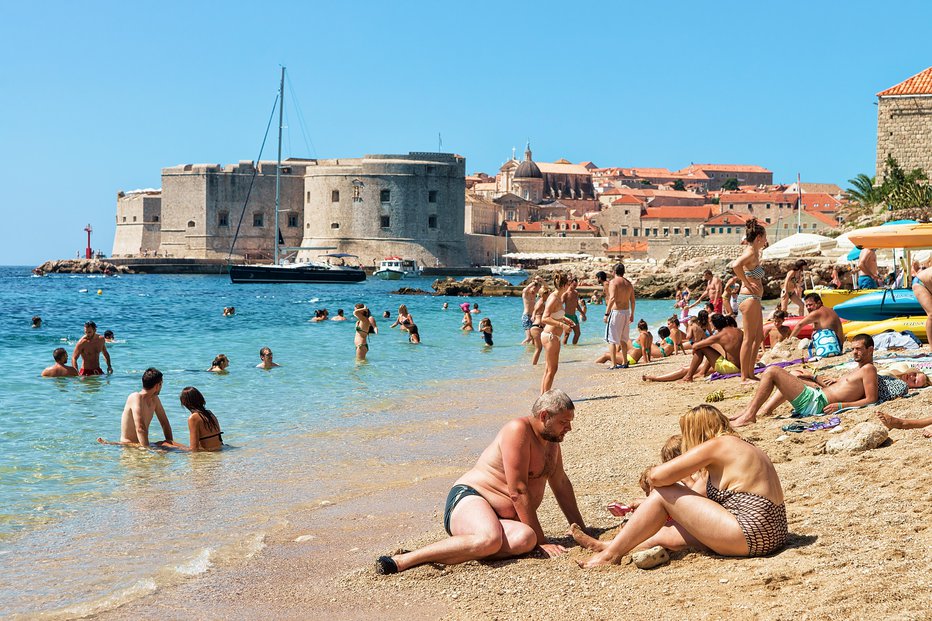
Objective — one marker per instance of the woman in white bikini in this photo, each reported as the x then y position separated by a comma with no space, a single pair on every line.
751,274
554,322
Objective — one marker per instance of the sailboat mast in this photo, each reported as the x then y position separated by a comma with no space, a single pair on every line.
278,166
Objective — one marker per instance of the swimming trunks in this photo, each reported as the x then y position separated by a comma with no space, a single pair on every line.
718,304
84,372
457,493
725,366
526,322
824,344
618,327
866,282
572,317
762,522
810,402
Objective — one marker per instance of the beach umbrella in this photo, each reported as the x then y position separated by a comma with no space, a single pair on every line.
843,242
795,244
854,255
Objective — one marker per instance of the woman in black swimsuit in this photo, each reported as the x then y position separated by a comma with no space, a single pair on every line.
203,427
735,509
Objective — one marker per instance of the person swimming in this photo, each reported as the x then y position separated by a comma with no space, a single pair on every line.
220,364
485,327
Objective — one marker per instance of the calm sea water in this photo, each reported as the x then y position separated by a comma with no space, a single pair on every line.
92,516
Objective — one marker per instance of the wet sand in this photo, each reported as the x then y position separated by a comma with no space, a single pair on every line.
859,542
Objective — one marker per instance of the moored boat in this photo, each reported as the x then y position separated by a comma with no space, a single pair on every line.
396,268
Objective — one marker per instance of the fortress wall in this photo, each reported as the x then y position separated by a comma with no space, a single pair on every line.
904,130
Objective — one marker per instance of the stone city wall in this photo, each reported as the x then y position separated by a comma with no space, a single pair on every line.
904,130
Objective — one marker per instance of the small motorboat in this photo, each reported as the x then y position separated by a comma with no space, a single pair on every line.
507,270
396,268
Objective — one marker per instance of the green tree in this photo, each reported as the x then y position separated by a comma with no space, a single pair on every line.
864,191
679,185
730,184
904,190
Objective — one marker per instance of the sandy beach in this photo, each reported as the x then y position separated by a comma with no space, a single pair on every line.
859,543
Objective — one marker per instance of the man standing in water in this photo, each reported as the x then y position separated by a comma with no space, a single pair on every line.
714,290
619,310
574,307
528,297
138,411
491,512
89,349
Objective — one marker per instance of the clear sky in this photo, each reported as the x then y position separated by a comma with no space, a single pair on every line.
97,97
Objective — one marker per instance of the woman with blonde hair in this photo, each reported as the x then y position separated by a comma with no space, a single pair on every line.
750,272
537,321
403,318
554,321
737,510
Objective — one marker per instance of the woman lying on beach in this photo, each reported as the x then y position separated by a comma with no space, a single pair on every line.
203,427
750,272
555,322
741,512
220,364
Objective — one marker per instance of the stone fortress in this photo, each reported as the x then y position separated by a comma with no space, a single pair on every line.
904,124
378,205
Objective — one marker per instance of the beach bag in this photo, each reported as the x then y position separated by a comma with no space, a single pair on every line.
824,344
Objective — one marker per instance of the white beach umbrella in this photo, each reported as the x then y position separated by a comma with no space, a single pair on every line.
794,244
843,242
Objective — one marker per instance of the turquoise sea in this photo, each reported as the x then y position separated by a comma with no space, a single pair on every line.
92,517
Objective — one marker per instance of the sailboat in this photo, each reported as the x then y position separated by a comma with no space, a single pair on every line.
334,268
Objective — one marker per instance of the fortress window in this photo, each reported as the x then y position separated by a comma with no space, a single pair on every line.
155,218
335,196
432,196
308,197
292,220
124,218
385,221
258,219
676,230
190,224
333,225
357,190
686,232
223,218
385,196
432,222
134,218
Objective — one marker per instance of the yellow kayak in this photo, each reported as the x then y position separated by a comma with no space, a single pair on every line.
916,325
833,297
893,236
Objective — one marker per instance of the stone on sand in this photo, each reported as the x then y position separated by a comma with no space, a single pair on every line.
650,558
862,437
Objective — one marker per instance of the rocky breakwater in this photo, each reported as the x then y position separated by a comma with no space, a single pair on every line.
477,286
80,266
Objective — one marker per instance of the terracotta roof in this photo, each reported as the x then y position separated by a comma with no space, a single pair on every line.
724,168
665,193
677,213
612,192
817,201
562,169
523,226
582,225
753,197
649,172
627,199
822,217
732,219
919,84
628,247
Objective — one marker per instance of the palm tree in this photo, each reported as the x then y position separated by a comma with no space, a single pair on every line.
864,192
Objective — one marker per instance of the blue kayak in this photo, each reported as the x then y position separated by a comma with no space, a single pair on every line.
881,305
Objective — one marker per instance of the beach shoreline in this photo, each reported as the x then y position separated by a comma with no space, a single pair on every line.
859,545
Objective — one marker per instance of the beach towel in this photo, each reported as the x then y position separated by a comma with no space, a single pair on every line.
717,376
889,340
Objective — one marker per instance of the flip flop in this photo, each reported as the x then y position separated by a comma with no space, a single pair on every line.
795,427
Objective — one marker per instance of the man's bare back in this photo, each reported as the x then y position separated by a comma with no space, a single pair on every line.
621,295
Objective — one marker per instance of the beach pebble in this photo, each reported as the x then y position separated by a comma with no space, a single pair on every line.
303,538
647,559
325,503
838,429
782,438
862,437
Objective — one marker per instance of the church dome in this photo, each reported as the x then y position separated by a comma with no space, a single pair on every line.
528,170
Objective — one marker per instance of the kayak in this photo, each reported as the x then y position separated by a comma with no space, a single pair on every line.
886,304
893,236
916,325
831,297
790,322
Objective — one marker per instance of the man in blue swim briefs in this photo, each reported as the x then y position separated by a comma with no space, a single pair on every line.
867,268
827,333
528,297
854,389
491,512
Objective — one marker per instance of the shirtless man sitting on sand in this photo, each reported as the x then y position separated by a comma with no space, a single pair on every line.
60,368
825,323
89,349
138,411
491,512
852,390
721,351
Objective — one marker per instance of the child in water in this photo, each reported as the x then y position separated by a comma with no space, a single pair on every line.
485,327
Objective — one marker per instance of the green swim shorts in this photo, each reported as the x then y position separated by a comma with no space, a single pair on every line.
810,402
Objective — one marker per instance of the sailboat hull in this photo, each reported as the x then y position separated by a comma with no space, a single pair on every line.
310,273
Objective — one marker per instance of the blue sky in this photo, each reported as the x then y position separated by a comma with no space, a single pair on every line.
96,97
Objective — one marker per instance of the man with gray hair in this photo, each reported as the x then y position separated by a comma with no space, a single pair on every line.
491,512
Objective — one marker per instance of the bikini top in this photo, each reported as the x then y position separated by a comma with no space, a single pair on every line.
757,273
558,315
